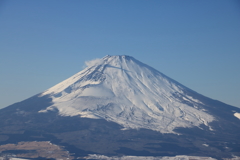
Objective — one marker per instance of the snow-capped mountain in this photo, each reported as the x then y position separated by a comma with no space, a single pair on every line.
118,106
123,90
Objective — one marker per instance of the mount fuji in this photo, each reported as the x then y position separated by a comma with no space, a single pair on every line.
118,105
130,93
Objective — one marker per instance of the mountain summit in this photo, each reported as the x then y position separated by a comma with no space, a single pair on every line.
123,90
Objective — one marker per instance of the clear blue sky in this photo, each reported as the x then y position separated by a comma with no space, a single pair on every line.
43,42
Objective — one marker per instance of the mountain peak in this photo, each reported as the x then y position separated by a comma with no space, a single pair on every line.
117,57
123,90
115,60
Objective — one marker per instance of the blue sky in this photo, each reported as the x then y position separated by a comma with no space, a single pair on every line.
43,42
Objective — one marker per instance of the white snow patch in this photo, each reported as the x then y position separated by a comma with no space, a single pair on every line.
210,128
237,115
189,98
206,145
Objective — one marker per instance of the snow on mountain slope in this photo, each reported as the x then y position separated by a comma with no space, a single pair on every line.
237,115
123,90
